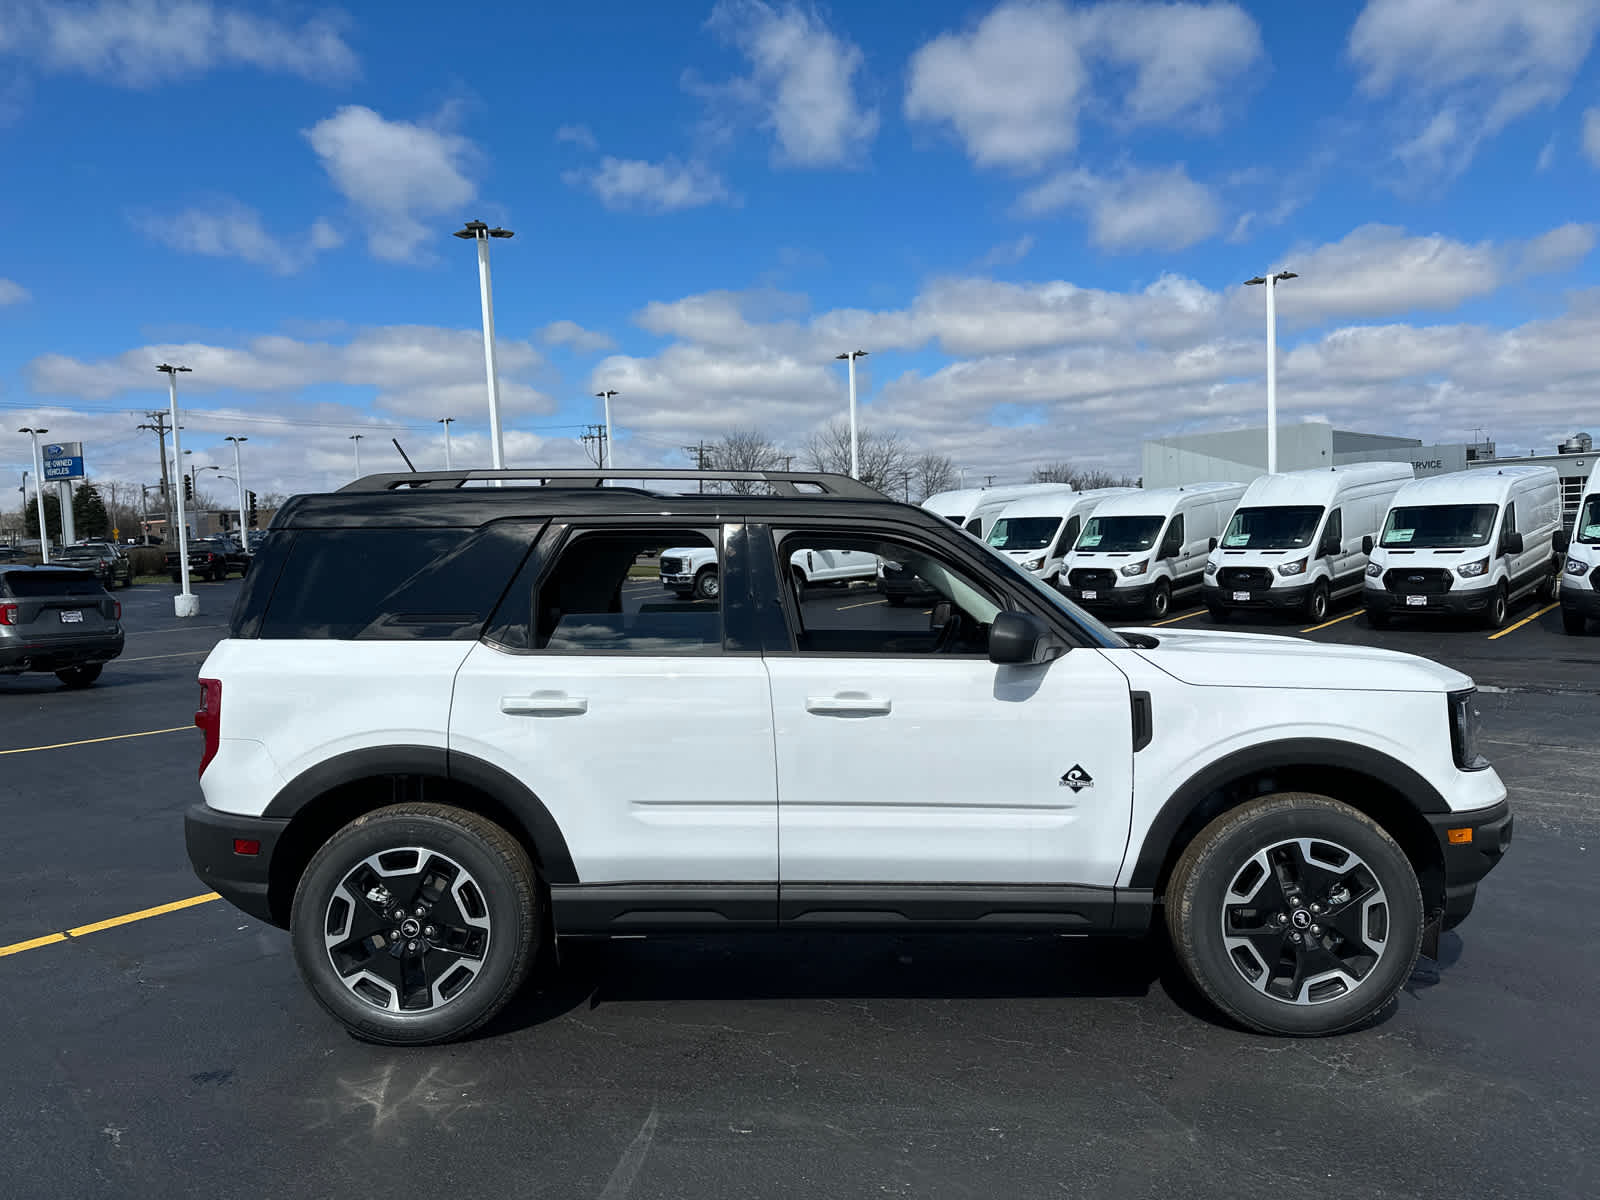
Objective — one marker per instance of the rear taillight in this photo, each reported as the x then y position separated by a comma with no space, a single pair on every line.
209,719
9,614
116,610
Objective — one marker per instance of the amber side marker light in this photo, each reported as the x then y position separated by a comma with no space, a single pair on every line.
1460,837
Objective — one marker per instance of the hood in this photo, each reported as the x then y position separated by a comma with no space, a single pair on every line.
1267,660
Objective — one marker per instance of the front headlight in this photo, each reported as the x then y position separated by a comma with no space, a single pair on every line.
1468,570
1294,568
1035,564
1136,568
1464,729
1211,567
1574,567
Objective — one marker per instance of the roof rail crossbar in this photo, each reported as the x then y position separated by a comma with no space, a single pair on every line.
784,483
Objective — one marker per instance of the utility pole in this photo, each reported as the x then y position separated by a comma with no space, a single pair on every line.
606,397
238,479
595,436
185,603
160,430
699,452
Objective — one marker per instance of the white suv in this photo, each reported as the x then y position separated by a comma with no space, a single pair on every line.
433,741
692,570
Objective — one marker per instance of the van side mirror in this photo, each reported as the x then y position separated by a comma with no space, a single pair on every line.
1212,545
1018,638
1511,543
1366,543
1331,545
1563,541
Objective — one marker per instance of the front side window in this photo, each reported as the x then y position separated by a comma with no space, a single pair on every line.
1124,535
1510,525
1589,522
1069,535
1285,527
1173,542
1023,533
1439,526
1334,534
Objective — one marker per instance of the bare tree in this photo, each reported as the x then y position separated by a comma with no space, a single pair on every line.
746,450
1082,479
886,462
932,474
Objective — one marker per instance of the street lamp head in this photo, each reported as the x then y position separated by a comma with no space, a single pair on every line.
472,229
606,395
27,430
169,369
445,420
851,354
1252,282
1287,275
232,438
497,232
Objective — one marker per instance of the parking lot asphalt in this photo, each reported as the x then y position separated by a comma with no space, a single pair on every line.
180,1055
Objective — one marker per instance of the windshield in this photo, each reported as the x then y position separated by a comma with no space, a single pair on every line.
82,552
1023,533
1439,526
1281,528
1589,522
1104,634
1119,534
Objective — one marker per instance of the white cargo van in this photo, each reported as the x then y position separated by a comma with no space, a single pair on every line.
975,509
1580,582
1295,541
1468,543
955,506
994,503
1037,532
1140,550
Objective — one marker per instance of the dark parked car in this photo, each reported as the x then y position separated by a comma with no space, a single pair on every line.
210,558
57,619
106,559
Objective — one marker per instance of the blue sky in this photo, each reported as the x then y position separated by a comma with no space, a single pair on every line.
1035,216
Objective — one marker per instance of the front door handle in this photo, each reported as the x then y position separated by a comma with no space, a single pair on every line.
848,704
544,704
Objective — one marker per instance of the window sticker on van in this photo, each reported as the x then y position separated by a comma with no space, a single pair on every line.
1234,540
1591,533
1089,541
1399,535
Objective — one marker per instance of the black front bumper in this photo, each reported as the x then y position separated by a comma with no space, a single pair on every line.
1467,862
1272,597
1585,603
1453,603
1111,597
241,879
58,654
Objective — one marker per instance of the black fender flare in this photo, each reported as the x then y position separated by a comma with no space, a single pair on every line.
1299,753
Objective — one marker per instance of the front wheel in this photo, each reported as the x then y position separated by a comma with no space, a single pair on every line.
80,677
896,601
416,923
1573,622
1160,599
1219,614
1494,617
1376,619
1317,603
1295,914
707,584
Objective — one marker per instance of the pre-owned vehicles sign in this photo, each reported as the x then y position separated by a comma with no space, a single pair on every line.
63,460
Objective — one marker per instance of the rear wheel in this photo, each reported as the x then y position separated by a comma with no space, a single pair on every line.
1317,603
1573,622
80,677
1295,914
1160,599
416,923
707,584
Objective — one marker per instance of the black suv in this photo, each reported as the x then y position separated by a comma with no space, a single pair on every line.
57,619
110,565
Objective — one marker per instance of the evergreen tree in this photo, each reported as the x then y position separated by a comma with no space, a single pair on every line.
52,516
89,518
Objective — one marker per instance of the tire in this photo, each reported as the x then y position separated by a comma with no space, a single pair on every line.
1550,590
1494,617
1377,620
495,910
1231,856
1219,614
1573,622
707,584
1317,603
800,581
80,677
896,601
1160,599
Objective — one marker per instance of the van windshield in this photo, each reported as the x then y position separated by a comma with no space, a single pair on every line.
1439,526
1119,534
1286,527
1589,522
1023,533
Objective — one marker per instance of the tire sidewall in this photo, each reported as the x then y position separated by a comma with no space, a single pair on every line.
1317,605
1203,901
707,584
1160,599
509,925
1499,607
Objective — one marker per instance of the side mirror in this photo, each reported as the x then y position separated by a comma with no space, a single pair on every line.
1021,639
1563,541
1330,547
1212,545
939,616
1511,543
1366,543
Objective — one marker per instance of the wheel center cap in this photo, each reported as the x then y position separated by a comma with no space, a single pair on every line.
1301,918
410,927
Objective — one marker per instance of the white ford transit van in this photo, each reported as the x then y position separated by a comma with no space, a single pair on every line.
1580,582
1038,532
1295,541
974,509
1468,543
1139,551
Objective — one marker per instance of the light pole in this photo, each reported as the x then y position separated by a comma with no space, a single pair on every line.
238,478
855,450
355,438
185,603
481,233
1271,283
606,456
445,421
38,491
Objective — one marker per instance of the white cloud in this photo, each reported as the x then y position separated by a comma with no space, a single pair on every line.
802,79
1559,250
1591,135
1547,156
1008,253
1014,86
1468,68
1139,208
580,136
136,43
12,292
570,333
633,184
396,174
229,229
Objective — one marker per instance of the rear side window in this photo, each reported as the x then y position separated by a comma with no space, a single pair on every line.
393,584
37,585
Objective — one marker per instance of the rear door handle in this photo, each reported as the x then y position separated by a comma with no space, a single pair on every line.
848,704
544,704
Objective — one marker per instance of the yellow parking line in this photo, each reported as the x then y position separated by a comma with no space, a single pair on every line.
143,914
1335,621
863,604
153,657
116,737
1175,620
1525,620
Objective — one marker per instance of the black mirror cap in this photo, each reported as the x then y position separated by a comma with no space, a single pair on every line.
1213,544
1511,543
1021,638
1563,541
1366,543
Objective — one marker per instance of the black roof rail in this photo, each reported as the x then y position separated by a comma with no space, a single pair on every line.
783,483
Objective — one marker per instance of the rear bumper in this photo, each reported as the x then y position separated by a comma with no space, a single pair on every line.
1455,603
240,879
1467,862
1272,597
58,653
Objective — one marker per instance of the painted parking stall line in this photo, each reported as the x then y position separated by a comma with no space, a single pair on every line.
1347,616
1180,617
115,737
144,914
1527,620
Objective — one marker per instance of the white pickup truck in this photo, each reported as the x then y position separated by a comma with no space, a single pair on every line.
692,570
